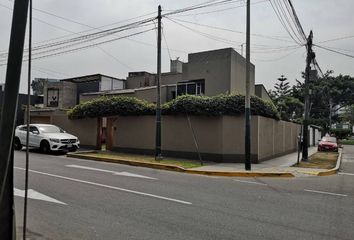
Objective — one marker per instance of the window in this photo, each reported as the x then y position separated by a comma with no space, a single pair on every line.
51,129
33,129
195,87
23,128
53,97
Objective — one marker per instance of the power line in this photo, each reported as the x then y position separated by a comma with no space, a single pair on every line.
262,48
213,37
164,37
88,46
89,37
154,45
335,51
75,42
280,58
284,13
49,71
76,22
219,10
317,66
297,21
199,6
286,23
230,30
282,22
337,39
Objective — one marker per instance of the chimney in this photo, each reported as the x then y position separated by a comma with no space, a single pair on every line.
176,66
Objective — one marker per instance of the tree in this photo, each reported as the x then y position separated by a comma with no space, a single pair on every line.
282,87
38,86
328,94
347,115
288,106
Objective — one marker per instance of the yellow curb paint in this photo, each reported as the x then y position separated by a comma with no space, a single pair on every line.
180,169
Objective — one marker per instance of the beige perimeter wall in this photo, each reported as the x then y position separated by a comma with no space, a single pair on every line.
84,129
219,139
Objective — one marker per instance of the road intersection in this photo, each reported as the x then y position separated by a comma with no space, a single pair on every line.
112,201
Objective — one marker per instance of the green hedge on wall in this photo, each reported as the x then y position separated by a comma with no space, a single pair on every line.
110,106
219,105
193,105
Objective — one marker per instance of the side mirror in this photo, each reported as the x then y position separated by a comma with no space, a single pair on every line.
35,132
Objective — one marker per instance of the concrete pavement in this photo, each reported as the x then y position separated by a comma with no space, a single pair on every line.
103,205
277,167
276,164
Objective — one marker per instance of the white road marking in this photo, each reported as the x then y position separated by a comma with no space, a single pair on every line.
328,193
32,194
127,174
109,187
257,183
348,174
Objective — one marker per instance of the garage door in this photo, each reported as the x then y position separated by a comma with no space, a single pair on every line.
40,119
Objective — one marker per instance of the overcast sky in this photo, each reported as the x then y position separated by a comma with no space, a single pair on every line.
327,18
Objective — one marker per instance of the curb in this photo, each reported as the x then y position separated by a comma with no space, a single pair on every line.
181,169
327,172
333,170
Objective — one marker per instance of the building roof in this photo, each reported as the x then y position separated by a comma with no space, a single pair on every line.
89,78
122,91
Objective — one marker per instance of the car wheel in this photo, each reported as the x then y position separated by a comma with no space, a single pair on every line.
45,148
17,144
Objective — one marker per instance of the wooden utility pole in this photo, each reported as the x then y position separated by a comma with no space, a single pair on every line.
158,155
8,116
309,59
247,96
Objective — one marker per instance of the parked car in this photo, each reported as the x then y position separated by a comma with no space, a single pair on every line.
46,137
328,144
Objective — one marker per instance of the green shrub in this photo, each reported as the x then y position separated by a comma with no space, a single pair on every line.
340,133
110,106
219,105
193,105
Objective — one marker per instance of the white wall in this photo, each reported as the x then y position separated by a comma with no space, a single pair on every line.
317,136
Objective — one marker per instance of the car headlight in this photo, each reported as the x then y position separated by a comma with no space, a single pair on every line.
54,140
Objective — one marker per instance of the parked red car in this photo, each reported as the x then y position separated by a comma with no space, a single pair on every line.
328,144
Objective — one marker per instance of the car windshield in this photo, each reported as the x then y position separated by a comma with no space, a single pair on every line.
329,139
50,129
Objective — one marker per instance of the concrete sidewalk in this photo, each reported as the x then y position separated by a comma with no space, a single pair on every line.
273,165
281,165
277,167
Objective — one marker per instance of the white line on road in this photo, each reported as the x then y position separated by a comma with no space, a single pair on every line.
328,193
257,183
109,187
348,174
126,174
32,194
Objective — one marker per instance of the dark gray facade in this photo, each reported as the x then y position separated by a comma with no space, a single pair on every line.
21,105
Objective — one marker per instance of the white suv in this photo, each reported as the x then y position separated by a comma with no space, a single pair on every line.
46,137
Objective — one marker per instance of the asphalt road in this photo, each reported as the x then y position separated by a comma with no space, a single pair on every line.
94,200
